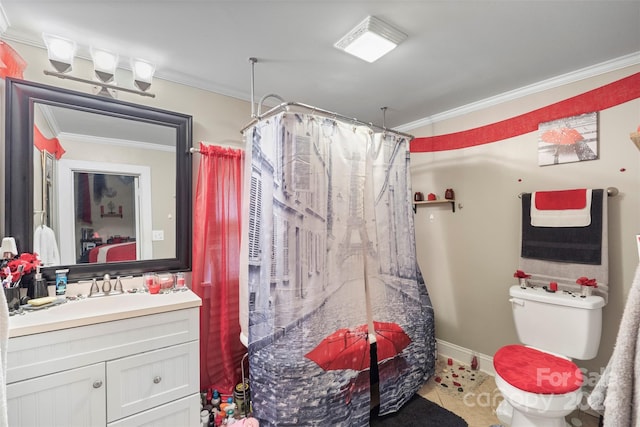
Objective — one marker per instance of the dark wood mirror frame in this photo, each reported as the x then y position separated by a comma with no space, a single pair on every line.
20,98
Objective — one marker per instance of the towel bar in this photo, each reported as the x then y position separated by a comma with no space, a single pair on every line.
611,192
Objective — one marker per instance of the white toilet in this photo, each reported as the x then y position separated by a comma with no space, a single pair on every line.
539,382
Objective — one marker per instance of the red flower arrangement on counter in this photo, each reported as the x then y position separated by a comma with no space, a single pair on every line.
19,266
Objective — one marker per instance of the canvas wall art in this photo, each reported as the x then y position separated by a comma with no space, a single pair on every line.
571,139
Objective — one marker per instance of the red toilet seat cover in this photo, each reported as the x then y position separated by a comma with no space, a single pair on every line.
535,371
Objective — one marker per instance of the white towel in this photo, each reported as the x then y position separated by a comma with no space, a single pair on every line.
617,392
4,342
45,245
561,217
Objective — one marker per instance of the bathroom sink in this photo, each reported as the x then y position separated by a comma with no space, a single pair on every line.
87,311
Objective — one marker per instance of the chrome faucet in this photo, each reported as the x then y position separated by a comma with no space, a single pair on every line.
106,284
95,290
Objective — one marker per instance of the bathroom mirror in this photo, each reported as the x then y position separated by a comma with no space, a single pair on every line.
131,163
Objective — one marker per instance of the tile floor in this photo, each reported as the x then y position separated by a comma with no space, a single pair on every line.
478,407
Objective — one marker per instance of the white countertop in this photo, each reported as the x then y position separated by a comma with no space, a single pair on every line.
88,311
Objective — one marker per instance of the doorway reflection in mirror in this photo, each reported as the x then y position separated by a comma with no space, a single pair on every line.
105,235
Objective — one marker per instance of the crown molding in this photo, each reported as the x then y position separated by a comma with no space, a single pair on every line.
50,119
159,74
564,79
4,21
112,142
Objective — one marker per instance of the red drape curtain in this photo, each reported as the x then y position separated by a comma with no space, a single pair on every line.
52,145
216,265
11,64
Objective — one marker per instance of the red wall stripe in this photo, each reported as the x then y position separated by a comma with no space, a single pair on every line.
604,97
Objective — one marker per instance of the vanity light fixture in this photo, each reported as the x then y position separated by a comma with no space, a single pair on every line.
104,68
142,73
371,39
61,52
104,64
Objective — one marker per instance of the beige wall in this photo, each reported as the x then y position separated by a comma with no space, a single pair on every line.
468,257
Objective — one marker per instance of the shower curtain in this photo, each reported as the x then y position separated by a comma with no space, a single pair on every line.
331,269
216,248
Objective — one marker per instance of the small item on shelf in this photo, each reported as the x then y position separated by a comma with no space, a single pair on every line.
166,281
418,197
204,418
431,197
474,363
40,285
241,396
522,278
61,281
448,194
150,283
230,409
587,285
181,284
215,399
111,212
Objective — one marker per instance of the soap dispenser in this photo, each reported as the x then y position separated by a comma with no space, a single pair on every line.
40,285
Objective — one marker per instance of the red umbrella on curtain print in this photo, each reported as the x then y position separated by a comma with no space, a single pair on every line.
562,136
348,348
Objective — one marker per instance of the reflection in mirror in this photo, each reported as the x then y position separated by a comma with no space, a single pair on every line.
111,182
108,148
87,183
120,225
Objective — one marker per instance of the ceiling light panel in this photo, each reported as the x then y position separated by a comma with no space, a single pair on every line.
371,39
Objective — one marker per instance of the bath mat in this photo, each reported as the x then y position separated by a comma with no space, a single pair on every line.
457,379
418,408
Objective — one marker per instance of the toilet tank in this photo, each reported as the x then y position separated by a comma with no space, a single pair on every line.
562,322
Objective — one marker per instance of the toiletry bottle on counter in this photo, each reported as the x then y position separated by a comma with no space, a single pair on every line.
40,285
215,399
61,281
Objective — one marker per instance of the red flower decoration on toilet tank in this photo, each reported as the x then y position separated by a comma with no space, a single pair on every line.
521,274
585,281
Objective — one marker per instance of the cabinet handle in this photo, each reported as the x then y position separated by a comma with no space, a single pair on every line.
156,380
97,384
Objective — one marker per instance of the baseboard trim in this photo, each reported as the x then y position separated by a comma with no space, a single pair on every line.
464,355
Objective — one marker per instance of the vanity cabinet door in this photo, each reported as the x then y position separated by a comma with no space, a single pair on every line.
182,412
66,399
151,379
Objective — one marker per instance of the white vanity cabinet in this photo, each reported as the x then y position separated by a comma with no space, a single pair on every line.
137,371
71,398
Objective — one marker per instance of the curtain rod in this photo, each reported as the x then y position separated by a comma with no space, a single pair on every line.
233,145
330,114
611,192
